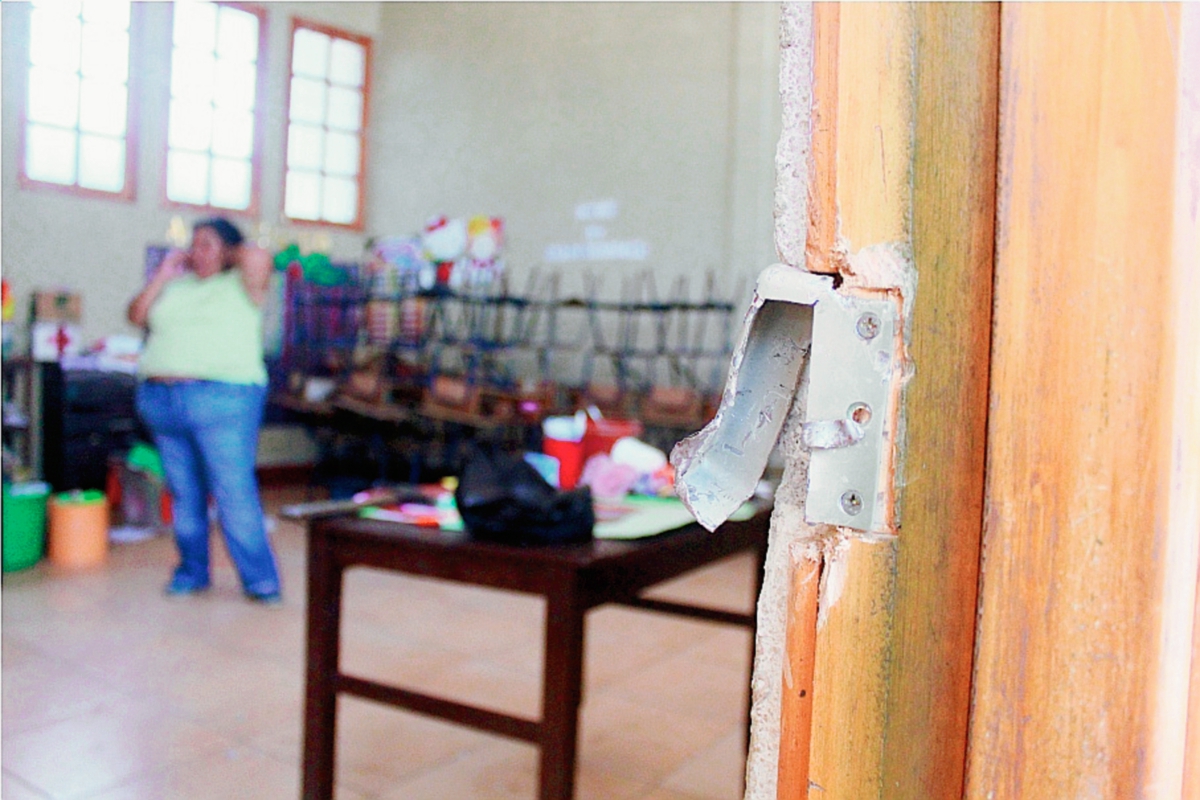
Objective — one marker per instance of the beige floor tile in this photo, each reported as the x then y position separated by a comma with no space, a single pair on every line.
443,615
728,584
39,690
507,682
620,640
235,774
16,652
493,629
374,655
622,738
277,637
715,773
590,785
483,683
56,616
522,658
493,770
729,646
13,788
77,616
148,660
670,794
105,747
379,747
504,770
684,685
239,697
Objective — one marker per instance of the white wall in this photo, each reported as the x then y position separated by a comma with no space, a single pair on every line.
525,110
520,110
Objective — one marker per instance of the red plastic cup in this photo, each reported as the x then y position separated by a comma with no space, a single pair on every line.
570,460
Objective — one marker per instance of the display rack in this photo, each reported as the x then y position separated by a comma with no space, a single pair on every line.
492,362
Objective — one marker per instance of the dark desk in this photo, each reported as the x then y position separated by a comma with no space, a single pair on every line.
573,579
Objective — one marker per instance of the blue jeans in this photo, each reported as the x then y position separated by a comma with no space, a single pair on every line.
207,435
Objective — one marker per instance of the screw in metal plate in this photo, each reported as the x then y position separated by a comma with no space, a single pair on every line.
860,413
851,502
868,326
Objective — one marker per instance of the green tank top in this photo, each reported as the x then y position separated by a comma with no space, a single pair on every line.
208,329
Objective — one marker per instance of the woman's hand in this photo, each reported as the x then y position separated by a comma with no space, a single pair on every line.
255,265
175,264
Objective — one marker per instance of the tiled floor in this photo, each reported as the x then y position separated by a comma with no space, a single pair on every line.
112,691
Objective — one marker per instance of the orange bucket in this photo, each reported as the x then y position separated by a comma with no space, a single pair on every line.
78,529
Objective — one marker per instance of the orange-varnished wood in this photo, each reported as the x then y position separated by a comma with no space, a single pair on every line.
945,403
795,727
1089,573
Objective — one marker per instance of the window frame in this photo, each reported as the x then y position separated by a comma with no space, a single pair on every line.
254,209
359,221
128,193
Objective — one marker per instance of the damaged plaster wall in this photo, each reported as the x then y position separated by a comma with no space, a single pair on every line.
795,138
788,526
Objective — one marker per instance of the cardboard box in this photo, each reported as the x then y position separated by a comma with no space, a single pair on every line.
50,341
57,305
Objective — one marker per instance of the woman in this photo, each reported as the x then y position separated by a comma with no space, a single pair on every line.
202,395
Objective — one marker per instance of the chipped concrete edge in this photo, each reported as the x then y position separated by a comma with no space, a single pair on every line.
792,150
787,518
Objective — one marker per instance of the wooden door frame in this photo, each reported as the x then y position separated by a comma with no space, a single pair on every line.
876,697
1092,535
1048,152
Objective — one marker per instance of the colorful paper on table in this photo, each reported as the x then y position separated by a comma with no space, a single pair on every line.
636,517
425,516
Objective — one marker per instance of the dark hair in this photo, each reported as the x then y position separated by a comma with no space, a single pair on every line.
229,233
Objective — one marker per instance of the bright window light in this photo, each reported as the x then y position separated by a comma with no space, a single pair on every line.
77,100
50,154
326,120
211,125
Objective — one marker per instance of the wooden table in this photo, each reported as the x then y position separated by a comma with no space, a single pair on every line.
572,579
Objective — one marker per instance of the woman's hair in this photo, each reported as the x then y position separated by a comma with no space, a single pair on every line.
228,232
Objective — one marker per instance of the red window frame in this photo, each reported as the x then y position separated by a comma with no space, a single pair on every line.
129,192
359,222
256,156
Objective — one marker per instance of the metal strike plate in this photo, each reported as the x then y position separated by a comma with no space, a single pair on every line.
851,372
851,344
853,365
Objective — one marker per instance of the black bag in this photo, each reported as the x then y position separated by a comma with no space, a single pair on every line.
501,498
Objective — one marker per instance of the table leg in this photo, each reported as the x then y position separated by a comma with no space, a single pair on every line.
561,692
320,705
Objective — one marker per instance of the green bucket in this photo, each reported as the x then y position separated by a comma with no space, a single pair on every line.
24,524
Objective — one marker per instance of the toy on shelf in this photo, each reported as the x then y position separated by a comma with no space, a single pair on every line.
483,265
445,242
394,272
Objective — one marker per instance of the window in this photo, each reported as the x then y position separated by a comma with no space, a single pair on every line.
212,130
75,130
327,113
